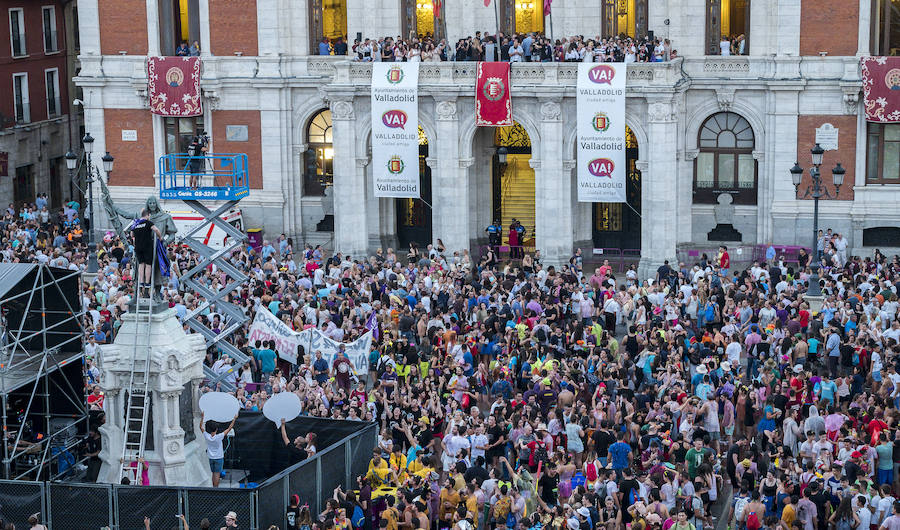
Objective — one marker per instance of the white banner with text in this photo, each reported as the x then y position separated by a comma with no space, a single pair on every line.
267,327
600,105
395,129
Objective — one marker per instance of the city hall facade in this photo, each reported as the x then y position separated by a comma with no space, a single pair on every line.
699,127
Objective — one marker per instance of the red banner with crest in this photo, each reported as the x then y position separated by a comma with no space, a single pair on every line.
493,106
881,88
174,86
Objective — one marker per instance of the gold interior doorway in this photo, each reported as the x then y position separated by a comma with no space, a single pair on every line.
529,16
513,181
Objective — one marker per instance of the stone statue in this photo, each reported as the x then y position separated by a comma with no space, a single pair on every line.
158,216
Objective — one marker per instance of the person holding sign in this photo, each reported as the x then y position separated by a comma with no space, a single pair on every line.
214,448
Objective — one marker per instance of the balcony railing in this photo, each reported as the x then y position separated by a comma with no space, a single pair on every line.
53,108
23,113
317,70
51,44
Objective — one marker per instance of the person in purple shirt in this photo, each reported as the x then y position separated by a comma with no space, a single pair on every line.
534,305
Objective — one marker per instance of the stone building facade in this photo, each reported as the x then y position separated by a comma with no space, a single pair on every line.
700,125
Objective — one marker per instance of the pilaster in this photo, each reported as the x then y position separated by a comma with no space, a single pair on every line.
659,187
449,189
554,206
351,225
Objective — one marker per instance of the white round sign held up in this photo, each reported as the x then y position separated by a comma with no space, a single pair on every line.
219,406
284,405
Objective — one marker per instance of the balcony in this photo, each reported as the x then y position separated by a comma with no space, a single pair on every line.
221,73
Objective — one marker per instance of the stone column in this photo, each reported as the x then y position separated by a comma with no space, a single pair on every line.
553,206
351,230
659,215
449,180
153,43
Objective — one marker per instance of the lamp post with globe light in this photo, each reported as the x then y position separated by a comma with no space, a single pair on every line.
816,190
92,174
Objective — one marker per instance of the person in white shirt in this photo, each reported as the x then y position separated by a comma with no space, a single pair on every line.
863,512
214,447
725,46
516,53
479,442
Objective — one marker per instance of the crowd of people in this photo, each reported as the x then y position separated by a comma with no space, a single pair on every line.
518,394
524,47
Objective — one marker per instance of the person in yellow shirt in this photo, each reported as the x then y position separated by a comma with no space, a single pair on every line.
379,473
789,513
397,463
449,501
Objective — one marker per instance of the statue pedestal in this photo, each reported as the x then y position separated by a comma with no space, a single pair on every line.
175,449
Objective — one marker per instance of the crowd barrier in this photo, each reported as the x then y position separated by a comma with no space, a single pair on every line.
80,506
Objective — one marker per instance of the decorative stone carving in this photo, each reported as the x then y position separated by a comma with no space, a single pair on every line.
446,110
535,164
851,100
466,162
550,111
362,161
660,111
727,66
342,110
725,98
173,448
568,165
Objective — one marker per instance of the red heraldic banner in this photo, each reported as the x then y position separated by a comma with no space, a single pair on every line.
493,106
881,88
174,86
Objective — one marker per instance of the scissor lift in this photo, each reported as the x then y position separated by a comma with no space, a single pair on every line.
211,177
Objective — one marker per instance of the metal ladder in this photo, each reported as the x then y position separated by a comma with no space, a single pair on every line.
137,402
233,318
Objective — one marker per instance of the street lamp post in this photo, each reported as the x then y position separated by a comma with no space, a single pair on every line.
816,190
92,174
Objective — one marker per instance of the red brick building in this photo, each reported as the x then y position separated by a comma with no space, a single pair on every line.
36,50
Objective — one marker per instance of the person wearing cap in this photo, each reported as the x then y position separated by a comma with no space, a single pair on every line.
230,521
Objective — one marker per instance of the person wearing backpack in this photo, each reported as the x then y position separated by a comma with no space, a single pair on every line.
844,518
754,512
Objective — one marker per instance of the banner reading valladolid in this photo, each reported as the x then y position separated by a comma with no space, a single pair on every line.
266,326
395,129
601,132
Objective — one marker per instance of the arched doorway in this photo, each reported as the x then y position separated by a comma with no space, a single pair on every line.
616,224
414,215
513,181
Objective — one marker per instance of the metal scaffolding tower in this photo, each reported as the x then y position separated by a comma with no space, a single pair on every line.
41,335
220,177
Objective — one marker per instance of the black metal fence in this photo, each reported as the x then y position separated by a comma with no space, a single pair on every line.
76,506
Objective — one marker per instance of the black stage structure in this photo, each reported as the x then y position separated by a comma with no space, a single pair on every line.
44,412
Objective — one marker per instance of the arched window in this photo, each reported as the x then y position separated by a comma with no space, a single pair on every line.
725,163
318,169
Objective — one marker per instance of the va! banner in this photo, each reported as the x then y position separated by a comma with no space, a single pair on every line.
266,327
493,106
600,102
395,129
